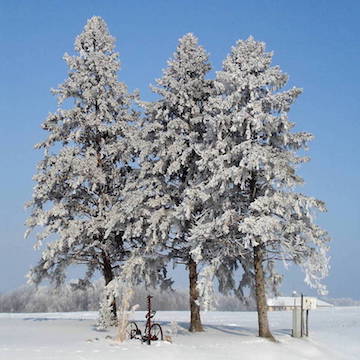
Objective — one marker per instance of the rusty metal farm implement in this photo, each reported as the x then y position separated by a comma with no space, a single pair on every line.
152,331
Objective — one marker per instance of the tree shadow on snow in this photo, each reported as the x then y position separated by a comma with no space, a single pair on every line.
243,331
233,330
281,331
49,319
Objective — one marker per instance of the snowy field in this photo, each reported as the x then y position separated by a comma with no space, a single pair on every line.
334,334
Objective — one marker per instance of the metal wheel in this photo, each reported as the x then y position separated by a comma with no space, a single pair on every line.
156,332
132,330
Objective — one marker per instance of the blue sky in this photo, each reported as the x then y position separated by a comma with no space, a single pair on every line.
315,42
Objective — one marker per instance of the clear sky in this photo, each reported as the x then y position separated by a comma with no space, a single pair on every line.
315,42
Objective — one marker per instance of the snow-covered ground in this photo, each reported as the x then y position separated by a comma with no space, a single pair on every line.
334,334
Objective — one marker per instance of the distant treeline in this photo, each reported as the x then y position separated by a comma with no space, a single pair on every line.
342,301
67,298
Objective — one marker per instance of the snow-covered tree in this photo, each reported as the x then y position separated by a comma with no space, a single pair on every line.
87,162
172,130
251,210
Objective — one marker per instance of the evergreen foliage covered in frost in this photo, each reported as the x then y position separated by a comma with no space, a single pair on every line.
87,162
172,132
249,196
209,174
162,205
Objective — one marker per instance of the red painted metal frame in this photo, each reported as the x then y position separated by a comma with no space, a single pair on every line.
148,321
148,337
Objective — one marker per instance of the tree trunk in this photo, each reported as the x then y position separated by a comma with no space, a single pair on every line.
108,276
264,330
195,321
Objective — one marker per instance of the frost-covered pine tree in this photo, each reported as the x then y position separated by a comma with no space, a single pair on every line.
251,210
172,132
86,165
